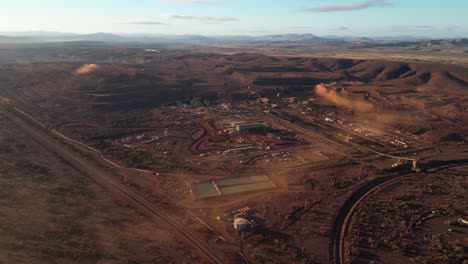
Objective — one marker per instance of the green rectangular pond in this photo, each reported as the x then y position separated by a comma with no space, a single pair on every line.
205,189
239,181
246,187
232,186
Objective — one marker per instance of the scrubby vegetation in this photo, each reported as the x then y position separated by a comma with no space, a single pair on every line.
140,159
399,225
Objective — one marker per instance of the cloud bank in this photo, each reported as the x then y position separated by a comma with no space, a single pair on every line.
201,18
350,7
184,1
148,23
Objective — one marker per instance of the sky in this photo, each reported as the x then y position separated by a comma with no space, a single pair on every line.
428,18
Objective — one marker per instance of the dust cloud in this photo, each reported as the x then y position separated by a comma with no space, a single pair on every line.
367,112
87,68
338,100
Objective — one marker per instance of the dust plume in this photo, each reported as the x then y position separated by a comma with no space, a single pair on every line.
380,119
377,116
85,69
338,100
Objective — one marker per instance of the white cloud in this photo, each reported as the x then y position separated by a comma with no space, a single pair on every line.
350,7
342,28
200,18
147,23
184,1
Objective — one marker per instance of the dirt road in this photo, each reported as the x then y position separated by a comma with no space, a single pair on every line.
107,182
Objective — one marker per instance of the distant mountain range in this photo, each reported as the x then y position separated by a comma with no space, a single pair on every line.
50,36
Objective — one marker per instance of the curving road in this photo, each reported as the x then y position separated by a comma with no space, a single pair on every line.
343,219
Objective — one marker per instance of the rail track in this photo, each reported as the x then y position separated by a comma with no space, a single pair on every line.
343,219
348,145
107,182
340,225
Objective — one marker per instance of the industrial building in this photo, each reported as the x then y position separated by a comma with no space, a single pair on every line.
245,127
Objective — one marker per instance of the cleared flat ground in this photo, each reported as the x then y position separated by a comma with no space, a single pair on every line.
52,214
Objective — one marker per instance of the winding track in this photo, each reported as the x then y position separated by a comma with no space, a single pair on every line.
342,221
109,183
340,225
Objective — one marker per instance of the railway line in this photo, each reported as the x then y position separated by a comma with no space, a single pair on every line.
343,220
341,224
107,182
348,145
308,132
48,139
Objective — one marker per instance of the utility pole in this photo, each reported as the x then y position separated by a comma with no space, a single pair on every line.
292,246
242,241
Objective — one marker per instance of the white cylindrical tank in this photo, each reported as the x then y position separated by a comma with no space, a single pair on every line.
240,223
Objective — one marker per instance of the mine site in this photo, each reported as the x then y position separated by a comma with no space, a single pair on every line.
291,148
259,158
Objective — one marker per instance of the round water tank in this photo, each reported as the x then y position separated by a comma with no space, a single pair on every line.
240,223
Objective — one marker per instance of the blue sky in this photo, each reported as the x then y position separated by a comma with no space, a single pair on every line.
432,18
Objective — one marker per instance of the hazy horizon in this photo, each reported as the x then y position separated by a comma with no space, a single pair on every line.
361,18
46,33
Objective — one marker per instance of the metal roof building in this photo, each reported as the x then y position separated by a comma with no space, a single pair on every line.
249,126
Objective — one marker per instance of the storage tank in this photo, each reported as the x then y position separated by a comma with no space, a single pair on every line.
240,223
